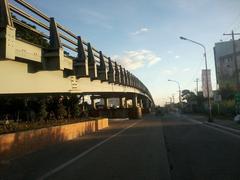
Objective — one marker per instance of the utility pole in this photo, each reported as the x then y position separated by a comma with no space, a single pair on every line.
197,80
173,98
235,57
206,69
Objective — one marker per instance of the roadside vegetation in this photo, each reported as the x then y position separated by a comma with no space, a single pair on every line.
197,104
24,113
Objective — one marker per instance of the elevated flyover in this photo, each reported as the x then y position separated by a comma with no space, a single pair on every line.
40,56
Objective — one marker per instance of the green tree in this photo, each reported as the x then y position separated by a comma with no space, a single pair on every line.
189,96
42,113
193,102
227,93
75,108
61,111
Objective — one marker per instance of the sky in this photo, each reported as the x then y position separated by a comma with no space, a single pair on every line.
143,35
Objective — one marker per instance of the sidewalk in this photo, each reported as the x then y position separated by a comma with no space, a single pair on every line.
217,122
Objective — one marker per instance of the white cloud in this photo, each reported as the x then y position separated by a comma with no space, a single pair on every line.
140,31
177,57
137,59
170,52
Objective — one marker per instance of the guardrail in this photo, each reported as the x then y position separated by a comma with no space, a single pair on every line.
88,61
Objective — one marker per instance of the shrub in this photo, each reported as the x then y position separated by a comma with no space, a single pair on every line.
42,113
61,111
226,108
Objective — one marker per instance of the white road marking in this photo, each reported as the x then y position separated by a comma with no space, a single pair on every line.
64,165
224,127
222,130
194,121
217,127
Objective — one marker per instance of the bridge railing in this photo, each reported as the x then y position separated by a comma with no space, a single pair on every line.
56,40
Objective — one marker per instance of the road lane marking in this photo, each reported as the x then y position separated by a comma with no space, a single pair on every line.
226,130
194,121
224,127
222,130
64,165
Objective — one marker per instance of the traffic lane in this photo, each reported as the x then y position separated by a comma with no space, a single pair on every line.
37,163
199,152
138,153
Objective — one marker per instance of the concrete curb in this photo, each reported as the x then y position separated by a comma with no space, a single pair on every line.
232,130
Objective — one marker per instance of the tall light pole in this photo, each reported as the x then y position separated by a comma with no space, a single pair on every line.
179,89
208,95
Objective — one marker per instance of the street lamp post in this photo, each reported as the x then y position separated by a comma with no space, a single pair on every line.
208,95
179,90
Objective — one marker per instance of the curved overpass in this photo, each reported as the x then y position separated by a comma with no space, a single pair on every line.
39,68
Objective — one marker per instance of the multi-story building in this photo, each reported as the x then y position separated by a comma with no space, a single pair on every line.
225,64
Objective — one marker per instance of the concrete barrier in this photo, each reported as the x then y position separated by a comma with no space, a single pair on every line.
20,143
101,124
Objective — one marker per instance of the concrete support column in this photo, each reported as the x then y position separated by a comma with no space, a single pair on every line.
147,104
121,104
126,102
141,103
135,112
93,103
134,101
83,103
105,103
151,105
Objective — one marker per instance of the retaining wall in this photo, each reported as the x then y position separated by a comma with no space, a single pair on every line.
20,143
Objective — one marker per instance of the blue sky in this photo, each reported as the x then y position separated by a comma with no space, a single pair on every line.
144,35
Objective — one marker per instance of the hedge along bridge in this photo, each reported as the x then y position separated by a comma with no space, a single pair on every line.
45,68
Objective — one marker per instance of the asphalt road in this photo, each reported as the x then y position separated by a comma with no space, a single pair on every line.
197,151
131,150
173,147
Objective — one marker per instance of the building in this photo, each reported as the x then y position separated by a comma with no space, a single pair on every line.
226,73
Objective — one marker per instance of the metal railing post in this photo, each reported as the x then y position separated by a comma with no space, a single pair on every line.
8,34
